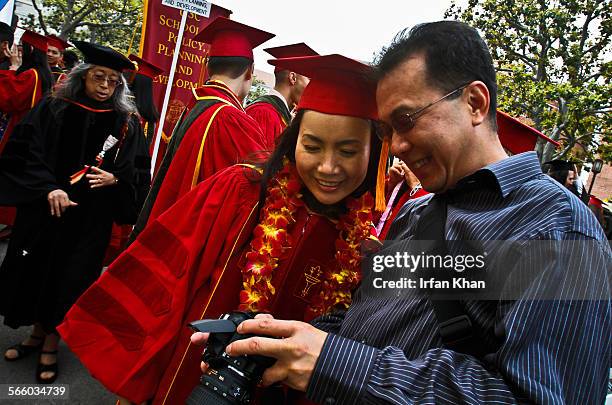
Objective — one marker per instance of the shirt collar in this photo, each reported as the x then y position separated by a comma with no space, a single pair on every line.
274,92
505,175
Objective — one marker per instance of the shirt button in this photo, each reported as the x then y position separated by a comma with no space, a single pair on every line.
364,342
330,401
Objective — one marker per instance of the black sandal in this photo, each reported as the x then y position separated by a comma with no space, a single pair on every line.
24,350
45,368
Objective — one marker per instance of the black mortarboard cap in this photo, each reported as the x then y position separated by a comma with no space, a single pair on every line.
5,29
103,56
558,165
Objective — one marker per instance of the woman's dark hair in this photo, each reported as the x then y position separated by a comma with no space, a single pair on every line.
71,59
6,34
559,175
142,88
33,58
285,148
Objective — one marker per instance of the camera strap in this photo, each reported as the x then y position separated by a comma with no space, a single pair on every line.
457,330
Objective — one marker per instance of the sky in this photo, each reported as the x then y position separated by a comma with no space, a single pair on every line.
354,28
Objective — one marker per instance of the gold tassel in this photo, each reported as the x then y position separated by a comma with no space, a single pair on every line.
381,203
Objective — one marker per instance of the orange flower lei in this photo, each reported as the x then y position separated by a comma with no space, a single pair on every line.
271,238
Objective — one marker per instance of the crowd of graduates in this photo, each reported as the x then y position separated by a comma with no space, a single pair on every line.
260,208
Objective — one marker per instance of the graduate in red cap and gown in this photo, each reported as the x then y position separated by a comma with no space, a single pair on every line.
282,236
273,111
71,169
216,133
55,52
515,136
20,91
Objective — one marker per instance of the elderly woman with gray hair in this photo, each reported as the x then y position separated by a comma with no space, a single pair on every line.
76,163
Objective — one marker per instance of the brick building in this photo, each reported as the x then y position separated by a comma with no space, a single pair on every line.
602,188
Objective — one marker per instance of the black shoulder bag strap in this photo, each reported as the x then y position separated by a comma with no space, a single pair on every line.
456,328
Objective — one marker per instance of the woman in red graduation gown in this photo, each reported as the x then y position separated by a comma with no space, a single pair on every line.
20,91
283,237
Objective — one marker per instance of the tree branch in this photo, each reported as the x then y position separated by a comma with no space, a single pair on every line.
106,25
529,62
77,22
86,9
41,19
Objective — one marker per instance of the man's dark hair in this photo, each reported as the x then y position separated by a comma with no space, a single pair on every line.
6,33
455,54
280,76
232,66
70,59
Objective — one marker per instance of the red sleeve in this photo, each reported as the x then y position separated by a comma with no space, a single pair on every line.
125,327
269,120
16,91
231,138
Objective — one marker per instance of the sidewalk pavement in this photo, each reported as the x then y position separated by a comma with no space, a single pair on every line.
82,388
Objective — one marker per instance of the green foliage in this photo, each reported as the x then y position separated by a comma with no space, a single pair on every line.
107,22
553,61
258,89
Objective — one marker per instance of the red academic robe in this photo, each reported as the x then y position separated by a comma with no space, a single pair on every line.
18,94
221,136
129,328
270,120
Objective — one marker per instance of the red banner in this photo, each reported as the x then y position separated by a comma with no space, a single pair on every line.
159,34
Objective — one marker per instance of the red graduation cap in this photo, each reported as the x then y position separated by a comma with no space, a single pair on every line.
290,51
516,136
230,38
36,40
54,40
145,68
338,85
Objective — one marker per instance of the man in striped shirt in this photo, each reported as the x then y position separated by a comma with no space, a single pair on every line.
437,98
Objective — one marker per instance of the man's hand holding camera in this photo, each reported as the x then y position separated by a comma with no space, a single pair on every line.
296,348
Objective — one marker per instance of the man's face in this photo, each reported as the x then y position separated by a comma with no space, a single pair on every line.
53,55
569,180
435,148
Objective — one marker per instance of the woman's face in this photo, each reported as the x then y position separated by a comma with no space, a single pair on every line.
101,82
332,154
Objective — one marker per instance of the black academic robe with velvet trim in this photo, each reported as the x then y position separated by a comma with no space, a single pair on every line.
50,261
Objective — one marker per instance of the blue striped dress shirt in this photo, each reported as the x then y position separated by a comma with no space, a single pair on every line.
389,351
